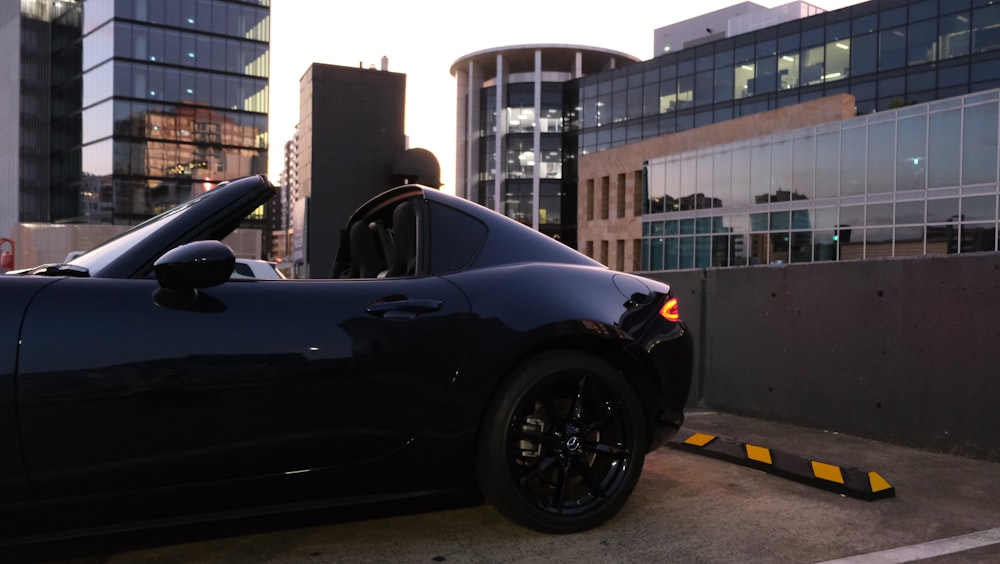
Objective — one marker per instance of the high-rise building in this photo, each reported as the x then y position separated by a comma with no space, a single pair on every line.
280,219
126,108
864,132
517,126
350,133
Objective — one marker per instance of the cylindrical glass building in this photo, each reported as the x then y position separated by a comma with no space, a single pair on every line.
516,130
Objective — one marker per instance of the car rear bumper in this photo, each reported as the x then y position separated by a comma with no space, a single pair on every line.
673,359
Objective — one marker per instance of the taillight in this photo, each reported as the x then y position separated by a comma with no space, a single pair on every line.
669,311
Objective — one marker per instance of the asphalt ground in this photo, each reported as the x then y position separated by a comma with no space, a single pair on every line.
687,508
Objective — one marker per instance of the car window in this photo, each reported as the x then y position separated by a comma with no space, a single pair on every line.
383,244
100,256
243,269
457,238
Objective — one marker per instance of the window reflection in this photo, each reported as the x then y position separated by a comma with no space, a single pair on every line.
892,48
954,35
921,38
179,149
520,159
802,196
986,28
520,120
812,65
743,76
685,92
979,208
788,71
818,55
517,203
838,60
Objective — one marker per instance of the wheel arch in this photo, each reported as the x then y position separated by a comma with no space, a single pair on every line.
639,376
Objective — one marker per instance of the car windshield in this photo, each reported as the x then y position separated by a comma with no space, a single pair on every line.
100,256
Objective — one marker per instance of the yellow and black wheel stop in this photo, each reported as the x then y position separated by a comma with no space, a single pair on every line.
851,482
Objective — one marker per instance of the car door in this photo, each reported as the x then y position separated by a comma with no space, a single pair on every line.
256,377
17,293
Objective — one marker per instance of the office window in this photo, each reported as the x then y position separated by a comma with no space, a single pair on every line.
838,60
788,71
589,203
760,173
688,182
978,237
638,181
911,154
724,84
605,196
620,196
979,142
986,28
766,73
743,80
921,42
892,48
908,241
943,153
685,91
942,210
881,157
954,35
878,242
813,67
658,247
804,166
862,47
722,178
668,95
853,151
910,212
979,208
650,99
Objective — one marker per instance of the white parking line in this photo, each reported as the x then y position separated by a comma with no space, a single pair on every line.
925,550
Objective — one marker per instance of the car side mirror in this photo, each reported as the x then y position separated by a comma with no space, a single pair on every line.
184,269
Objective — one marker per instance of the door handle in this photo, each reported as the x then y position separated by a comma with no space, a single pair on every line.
403,309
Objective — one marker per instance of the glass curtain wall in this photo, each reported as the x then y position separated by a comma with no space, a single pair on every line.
175,100
887,57
920,180
522,160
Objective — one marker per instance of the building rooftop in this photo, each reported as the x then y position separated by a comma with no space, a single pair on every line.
558,57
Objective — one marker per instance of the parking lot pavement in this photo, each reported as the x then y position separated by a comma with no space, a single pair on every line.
687,508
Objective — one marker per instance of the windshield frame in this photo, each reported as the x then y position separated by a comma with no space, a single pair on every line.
100,256
209,216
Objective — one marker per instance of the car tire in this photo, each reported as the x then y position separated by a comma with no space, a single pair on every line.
562,443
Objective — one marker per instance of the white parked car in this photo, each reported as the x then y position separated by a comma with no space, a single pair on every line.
252,268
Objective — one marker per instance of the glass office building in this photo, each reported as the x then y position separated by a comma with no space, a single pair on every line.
514,154
154,102
892,56
920,180
887,53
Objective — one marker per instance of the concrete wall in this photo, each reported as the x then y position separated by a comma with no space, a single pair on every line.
901,350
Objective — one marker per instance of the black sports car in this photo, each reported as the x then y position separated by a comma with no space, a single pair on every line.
451,351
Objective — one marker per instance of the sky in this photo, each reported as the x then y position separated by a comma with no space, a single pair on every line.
423,39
